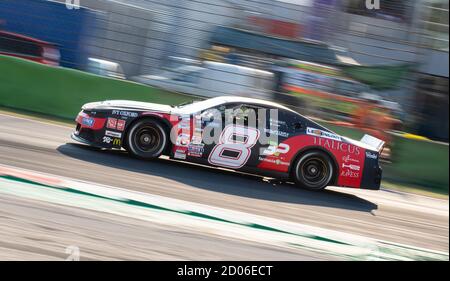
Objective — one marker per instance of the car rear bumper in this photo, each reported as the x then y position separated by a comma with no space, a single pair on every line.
372,178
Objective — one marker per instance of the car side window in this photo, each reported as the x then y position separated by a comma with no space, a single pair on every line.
275,120
286,122
212,114
245,114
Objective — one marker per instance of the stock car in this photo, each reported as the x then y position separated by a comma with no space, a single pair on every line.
289,147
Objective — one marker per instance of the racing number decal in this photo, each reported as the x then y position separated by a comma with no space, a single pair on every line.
234,147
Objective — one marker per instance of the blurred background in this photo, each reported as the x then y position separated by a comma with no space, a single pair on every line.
357,70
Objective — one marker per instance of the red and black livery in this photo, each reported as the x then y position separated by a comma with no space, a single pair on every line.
304,152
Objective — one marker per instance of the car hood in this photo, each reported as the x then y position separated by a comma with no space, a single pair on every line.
127,105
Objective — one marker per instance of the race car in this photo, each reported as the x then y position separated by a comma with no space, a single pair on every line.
238,133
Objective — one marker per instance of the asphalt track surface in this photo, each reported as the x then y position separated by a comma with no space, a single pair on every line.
36,230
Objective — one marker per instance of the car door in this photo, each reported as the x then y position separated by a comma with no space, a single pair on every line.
201,132
237,145
275,150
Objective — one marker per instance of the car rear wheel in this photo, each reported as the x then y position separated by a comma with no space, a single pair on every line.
147,139
313,170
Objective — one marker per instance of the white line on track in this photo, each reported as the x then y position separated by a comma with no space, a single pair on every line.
208,219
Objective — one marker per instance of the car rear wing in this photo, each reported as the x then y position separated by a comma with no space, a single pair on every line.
371,141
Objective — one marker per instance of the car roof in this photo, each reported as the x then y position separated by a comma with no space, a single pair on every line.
238,99
245,100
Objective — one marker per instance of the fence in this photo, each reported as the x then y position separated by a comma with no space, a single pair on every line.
144,36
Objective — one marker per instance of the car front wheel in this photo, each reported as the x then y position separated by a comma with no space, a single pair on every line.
147,139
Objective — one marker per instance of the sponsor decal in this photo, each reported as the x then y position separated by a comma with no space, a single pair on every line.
121,125
184,125
180,154
273,161
337,145
86,121
183,140
111,123
323,134
276,150
351,167
371,155
276,122
195,150
109,140
125,113
348,158
350,174
113,134
185,118
276,132
196,139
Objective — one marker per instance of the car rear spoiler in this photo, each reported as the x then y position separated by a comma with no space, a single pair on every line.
371,141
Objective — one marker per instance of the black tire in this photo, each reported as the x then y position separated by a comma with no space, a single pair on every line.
313,170
146,139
